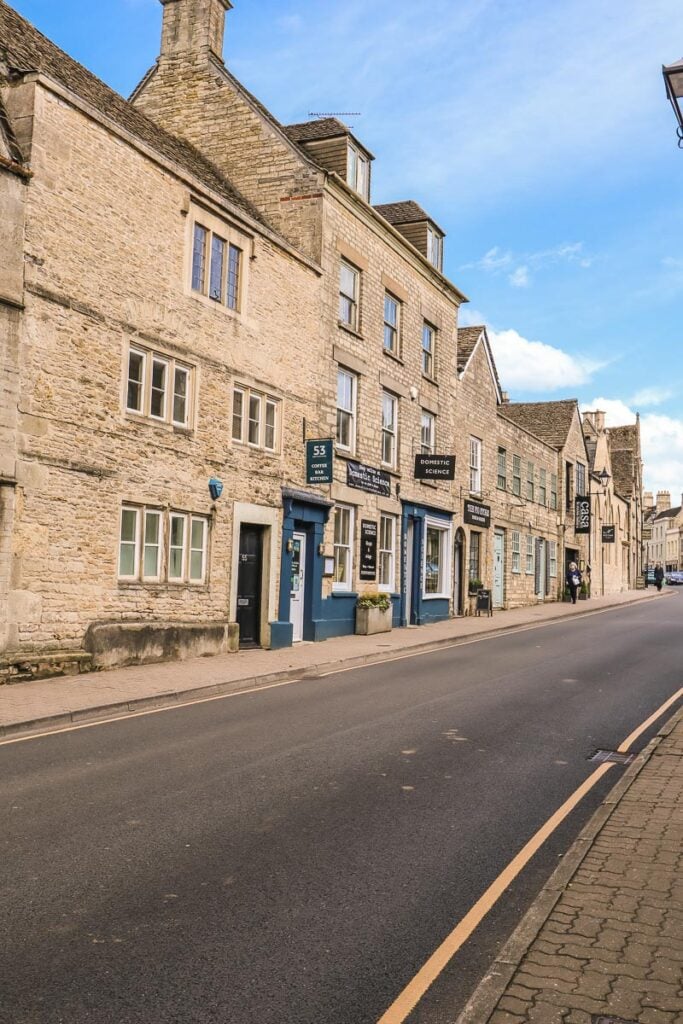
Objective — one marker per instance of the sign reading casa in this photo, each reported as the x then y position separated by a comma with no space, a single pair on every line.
582,514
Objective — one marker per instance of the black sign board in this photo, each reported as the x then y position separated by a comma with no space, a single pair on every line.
609,534
435,467
582,514
368,550
367,478
319,461
477,515
484,602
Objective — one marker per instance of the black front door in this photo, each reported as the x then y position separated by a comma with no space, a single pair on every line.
249,586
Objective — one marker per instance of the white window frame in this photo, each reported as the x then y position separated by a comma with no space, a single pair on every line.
358,171
517,475
172,368
530,481
516,551
553,491
475,465
392,328
529,566
352,298
390,429
241,421
428,350
344,586
435,248
352,378
427,432
444,530
553,559
162,575
388,552
542,487
502,462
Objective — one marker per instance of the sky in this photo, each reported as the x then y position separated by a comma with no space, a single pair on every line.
536,134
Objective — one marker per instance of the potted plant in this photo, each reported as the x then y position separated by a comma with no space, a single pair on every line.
583,591
474,587
373,613
567,595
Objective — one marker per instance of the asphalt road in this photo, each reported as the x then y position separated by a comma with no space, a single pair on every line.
293,856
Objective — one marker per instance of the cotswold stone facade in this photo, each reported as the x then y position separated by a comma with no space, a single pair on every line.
194,295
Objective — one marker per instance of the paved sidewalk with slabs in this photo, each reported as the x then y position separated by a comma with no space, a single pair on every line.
60,702
603,942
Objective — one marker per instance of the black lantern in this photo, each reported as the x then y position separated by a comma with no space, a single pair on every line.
604,478
673,80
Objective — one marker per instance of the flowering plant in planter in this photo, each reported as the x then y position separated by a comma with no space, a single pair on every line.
474,587
373,613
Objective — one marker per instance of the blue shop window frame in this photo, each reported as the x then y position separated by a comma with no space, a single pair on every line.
309,519
426,609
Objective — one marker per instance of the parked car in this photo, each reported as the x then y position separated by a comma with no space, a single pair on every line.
674,578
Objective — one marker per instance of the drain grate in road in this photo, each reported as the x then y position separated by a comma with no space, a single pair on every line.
611,1020
611,757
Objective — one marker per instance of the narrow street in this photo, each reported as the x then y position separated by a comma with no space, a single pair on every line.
296,855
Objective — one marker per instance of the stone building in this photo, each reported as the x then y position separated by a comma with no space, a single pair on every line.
141,307
664,529
387,328
509,531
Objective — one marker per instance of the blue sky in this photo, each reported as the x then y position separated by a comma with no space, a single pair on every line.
537,134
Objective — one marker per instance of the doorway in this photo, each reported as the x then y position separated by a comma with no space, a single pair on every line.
297,598
249,580
498,569
409,542
458,574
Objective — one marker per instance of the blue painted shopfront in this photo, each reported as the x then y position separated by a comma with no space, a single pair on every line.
305,513
417,606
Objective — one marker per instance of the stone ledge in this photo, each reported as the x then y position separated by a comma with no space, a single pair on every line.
25,667
115,644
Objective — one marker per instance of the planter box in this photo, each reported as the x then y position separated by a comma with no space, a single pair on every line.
373,620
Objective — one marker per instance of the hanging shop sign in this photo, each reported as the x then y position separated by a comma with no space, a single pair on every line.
609,534
435,467
320,461
477,515
582,514
367,478
368,550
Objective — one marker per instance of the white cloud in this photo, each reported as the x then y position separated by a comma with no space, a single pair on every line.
650,396
519,278
535,366
661,442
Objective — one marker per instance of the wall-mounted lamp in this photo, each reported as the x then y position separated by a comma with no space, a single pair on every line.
673,80
289,546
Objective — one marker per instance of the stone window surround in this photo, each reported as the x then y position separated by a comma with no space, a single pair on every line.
162,577
352,412
149,355
233,236
265,399
345,587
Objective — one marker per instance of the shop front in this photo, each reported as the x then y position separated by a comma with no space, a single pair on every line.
427,544
301,606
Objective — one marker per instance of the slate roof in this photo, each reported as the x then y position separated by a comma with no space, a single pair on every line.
551,421
668,513
23,49
406,212
467,339
311,131
622,438
623,472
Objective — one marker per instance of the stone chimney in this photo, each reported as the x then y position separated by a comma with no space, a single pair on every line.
193,28
663,501
599,420
504,397
648,499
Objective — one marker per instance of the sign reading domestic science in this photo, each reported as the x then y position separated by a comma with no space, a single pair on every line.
435,467
477,515
367,478
582,514
609,535
368,550
320,461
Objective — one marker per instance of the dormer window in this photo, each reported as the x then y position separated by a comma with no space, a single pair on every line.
435,248
358,172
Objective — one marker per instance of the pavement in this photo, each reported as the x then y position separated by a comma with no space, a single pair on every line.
603,941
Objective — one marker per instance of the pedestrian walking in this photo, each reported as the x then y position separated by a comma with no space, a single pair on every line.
659,575
573,580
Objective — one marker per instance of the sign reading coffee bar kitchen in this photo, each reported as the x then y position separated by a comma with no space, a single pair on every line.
367,478
477,515
582,514
435,467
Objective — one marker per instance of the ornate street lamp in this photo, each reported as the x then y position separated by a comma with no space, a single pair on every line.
673,80
604,479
